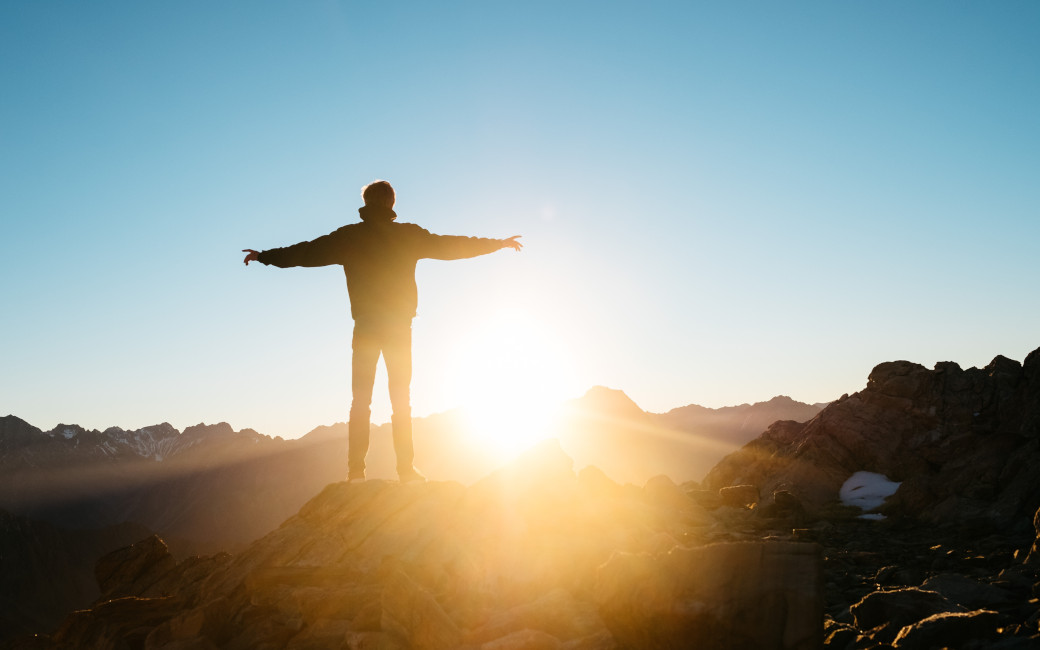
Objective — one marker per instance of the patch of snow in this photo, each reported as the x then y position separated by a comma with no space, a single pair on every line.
867,490
69,434
872,516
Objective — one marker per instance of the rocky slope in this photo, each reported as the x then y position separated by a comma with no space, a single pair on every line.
762,555
964,444
536,557
46,572
533,556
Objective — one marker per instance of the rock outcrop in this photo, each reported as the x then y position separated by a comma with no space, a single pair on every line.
46,571
532,556
963,444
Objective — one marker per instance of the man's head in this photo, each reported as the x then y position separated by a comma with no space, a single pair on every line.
379,194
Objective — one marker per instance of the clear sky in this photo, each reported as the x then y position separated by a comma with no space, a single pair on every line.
720,202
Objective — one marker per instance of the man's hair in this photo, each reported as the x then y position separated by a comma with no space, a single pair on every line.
379,194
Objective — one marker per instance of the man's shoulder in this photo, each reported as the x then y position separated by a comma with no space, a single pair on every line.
410,228
407,225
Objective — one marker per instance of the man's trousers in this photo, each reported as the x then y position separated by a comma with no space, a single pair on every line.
392,339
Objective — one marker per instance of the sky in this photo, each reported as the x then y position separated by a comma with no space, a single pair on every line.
720,202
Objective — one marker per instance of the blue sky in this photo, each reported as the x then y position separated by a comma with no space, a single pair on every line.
720,202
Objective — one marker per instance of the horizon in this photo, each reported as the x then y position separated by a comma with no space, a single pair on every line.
454,409
718,204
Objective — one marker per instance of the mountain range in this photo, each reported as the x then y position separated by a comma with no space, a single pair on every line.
74,493
212,488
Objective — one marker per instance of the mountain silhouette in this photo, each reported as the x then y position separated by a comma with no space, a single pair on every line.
212,488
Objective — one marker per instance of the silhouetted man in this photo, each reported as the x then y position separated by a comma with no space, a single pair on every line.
378,257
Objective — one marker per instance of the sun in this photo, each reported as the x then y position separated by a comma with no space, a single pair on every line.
513,373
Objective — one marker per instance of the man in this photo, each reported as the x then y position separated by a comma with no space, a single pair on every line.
378,256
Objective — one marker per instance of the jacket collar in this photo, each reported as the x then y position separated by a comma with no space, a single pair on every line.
376,213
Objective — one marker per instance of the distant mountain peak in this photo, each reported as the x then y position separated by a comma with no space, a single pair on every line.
608,401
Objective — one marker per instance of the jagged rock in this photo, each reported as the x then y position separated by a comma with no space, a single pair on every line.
784,505
709,596
839,636
965,591
1033,558
738,496
412,614
914,425
949,630
116,624
132,570
321,634
593,479
47,572
557,613
900,607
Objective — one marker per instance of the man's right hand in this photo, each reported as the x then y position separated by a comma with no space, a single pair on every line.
252,256
512,243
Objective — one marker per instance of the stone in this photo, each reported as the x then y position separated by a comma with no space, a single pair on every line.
115,624
738,496
413,615
949,630
709,596
524,640
557,613
900,607
132,570
912,425
965,591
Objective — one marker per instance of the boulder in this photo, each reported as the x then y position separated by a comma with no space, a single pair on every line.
965,591
900,607
413,615
116,624
557,613
738,496
949,630
748,595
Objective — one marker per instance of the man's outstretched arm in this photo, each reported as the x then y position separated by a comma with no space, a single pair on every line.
451,247
322,251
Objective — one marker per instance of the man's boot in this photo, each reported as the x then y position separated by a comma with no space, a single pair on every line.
402,426
358,430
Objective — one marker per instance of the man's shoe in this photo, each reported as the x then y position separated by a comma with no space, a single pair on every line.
411,475
356,478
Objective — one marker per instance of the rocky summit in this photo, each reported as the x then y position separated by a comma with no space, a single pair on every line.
533,556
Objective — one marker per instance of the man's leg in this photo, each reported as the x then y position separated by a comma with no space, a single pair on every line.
397,353
363,375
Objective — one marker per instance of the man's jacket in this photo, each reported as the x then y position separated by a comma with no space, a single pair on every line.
378,257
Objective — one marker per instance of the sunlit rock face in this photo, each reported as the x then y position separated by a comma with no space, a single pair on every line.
962,443
534,555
